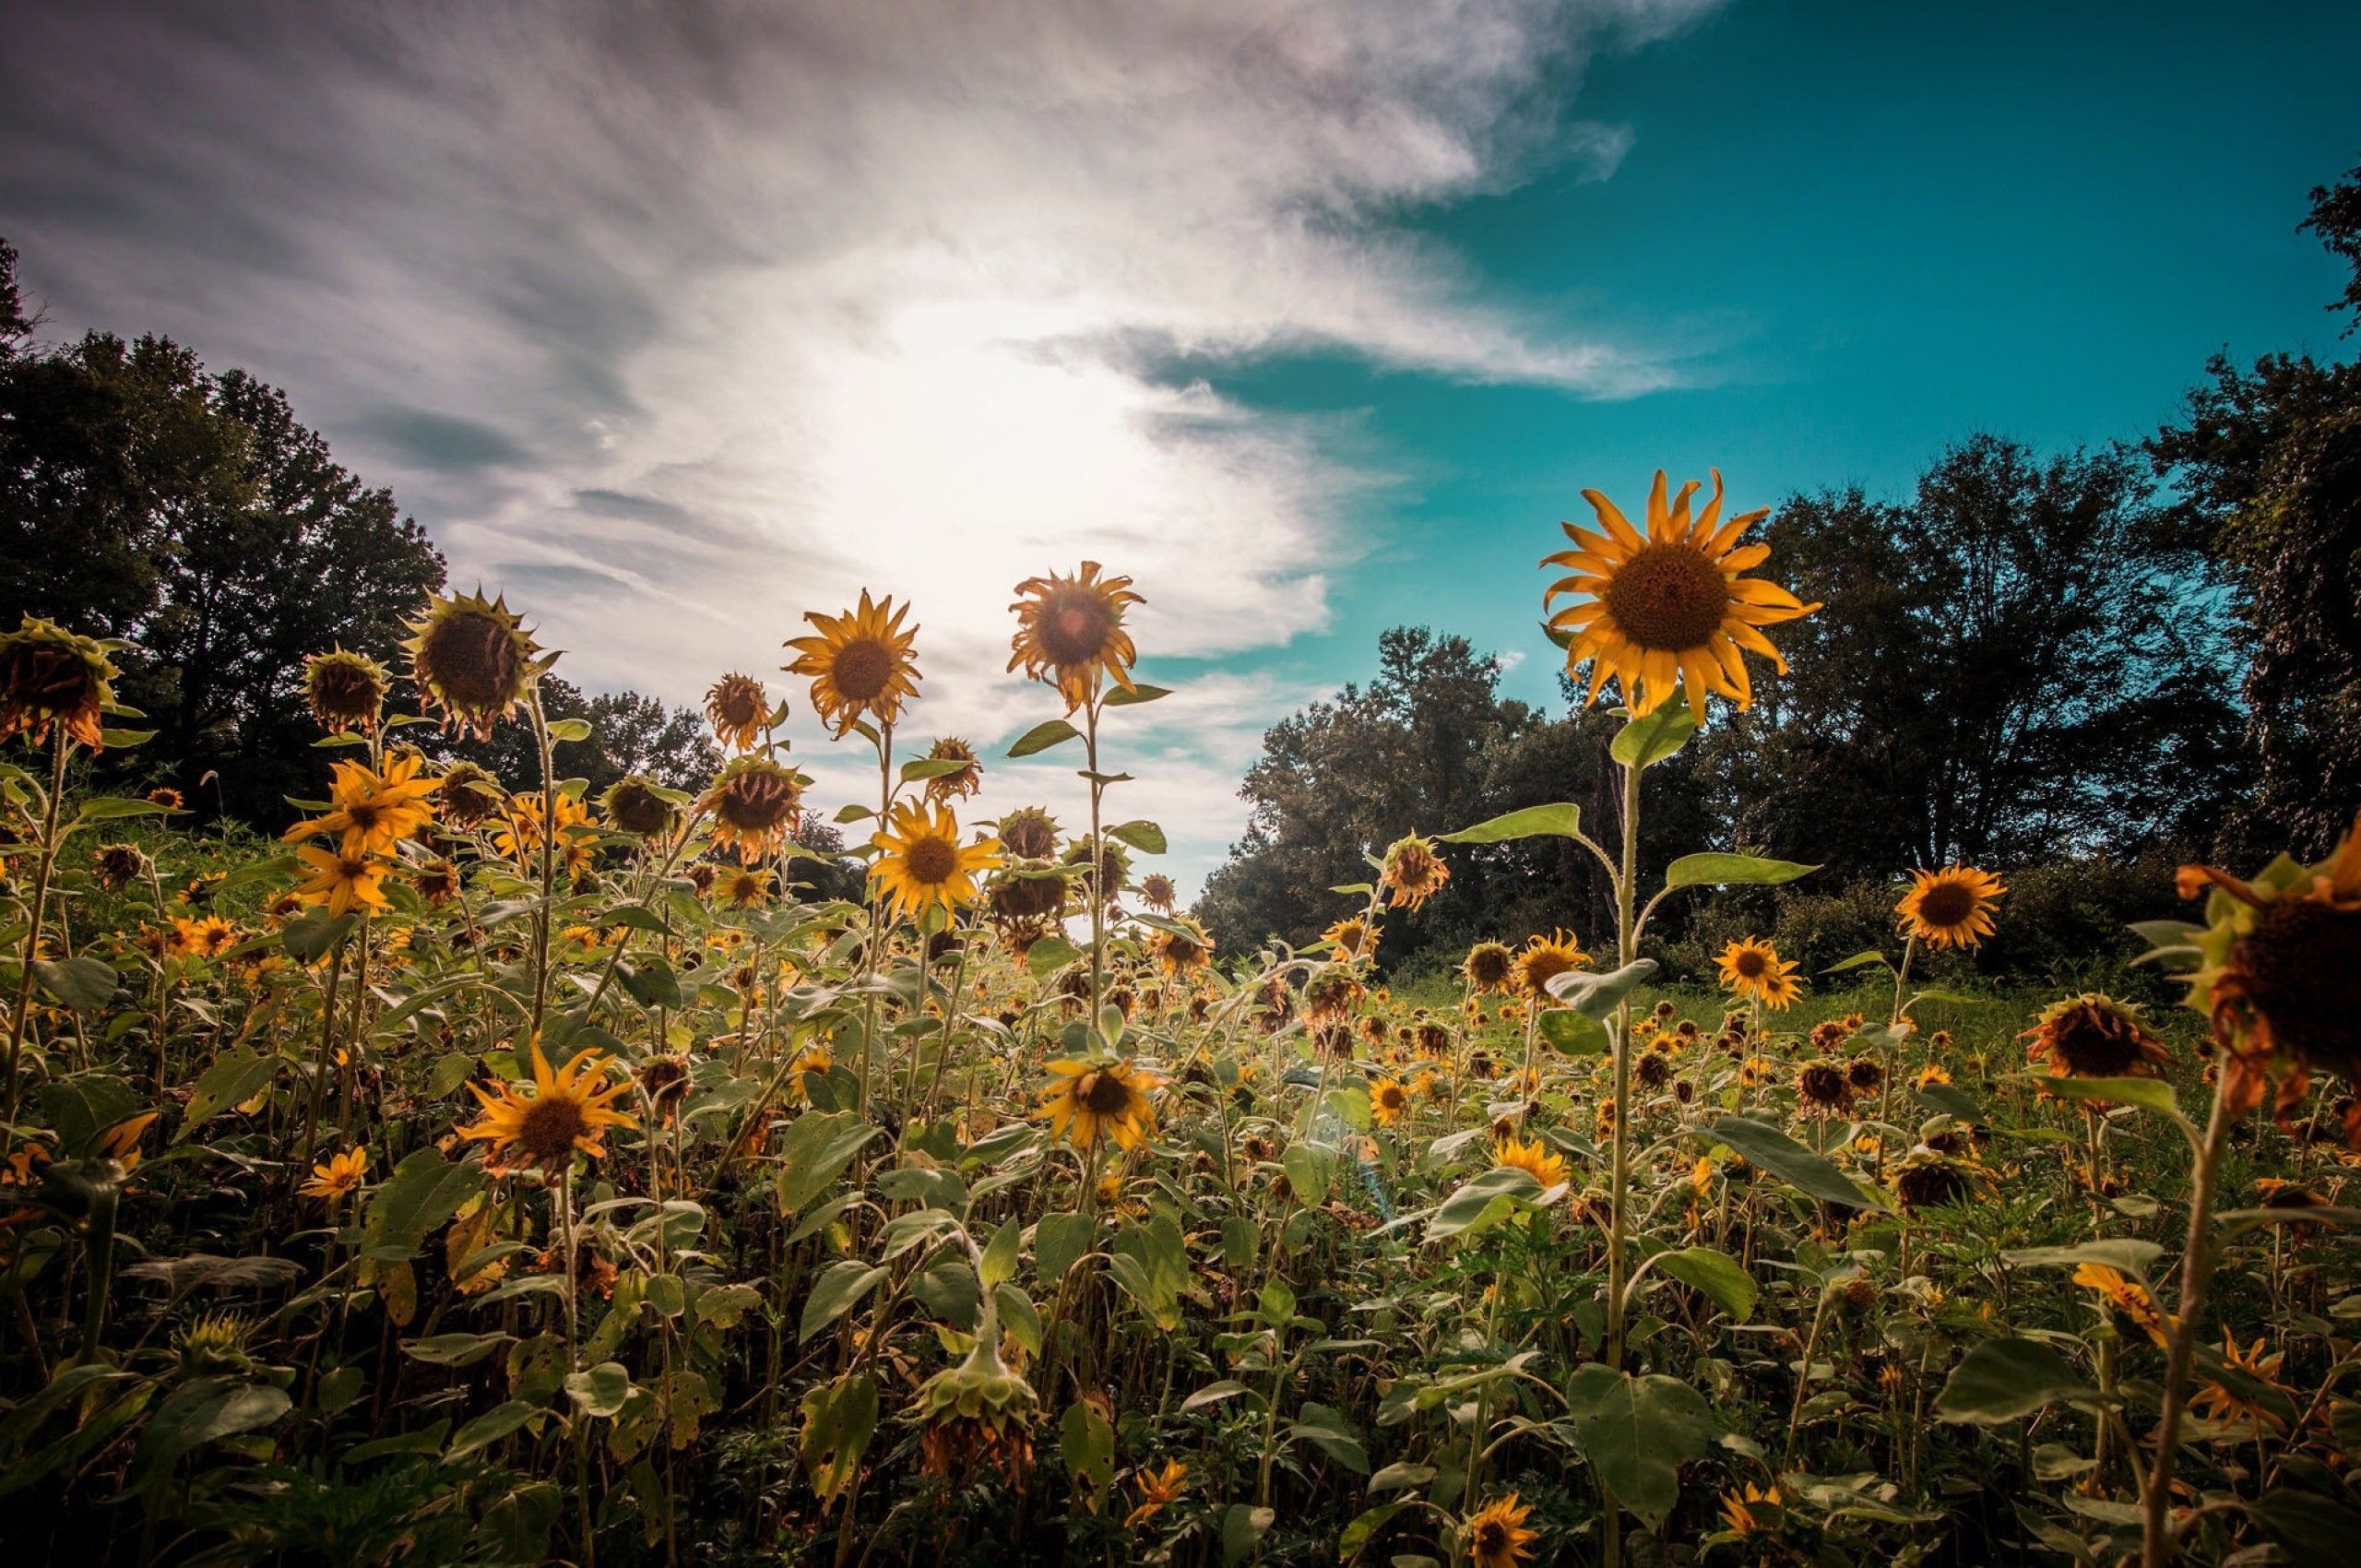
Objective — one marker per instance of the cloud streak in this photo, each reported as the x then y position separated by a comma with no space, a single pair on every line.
675,320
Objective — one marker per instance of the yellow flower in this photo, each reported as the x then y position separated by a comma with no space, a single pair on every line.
207,937
1495,1534
1535,1159
960,782
1545,957
472,658
341,881
372,811
340,1178
1070,633
2128,1297
1736,1511
120,1143
756,804
860,662
1087,1102
1669,608
739,710
1950,908
1752,966
566,1114
921,864
1354,937
49,675
1157,1493
346,691
1183,947
2219,1403
1388,1100
1411,873
2093,1035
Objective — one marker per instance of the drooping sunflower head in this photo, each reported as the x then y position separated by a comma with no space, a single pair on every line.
467,795
1824,1087
740,710
921,864
636,805
1332,993
120,865
1927,1179
1183,947
1488,967
567,1112
1544,958
48,675
755,804
1412,872
860,662
212,1345
1113,873
344,690
1070,633
1157,892
1029,833
976,1415
1088,1101
960,782
2093,1035
1353,937
1670,610
1950,908
474,658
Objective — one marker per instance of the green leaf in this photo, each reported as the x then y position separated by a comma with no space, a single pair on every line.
570,730
838,1420
1638,1432
1953,1102
1087,1441
1145,836
840,1285
111,808
1136,692
1721,871
237,1074
602,1390
2004,1379
1858,961
1042,737
1242,1529
1767,1148
1563,820
309,935
84,984
816,1147
2129,1254
1594,995
490,1427
2150,1094
1327,1430
1572,1032
1060,1242
1000,1254
1483,1201
454,1349
919,768
1715,1273
424,1191
1646,742
200,1411
1214,1393
1049,956
2311,1527
1365,1526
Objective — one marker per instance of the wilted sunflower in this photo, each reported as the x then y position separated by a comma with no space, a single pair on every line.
1489,966
566,1114
1114,872
1929,1179
921,864
1824,1088
1670,608
2093,1035
961,782
1029,833
437,881
340,1178
739,710
1353,937
1495,1534
1533,1157
48,675
1070,633
119,866
976,1415
372,811
1087,1102
755,804
1752,966
1544,958
1157,892
467,795
634,804
346,691
474,658
1183,948
1950,908
860,662
519,833
1331,992
1412,872
745,887
342,882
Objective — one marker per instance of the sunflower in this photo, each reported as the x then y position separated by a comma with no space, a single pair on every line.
566,1114
1824,1088
745,887
1029,833
119,866
1927,1179
1388,1100
1752,966
341,881
975,1416
467,795
340,1178
1950,908
2243,1412
1331,993
860,662
1544,958
207,936
1411,872
1737,1508
1157,892
344,691
1183,948
1533,1157
1495,1534
1353,937
2130,1298
958,783
921,864
372,811
1487,966
1669,608
1114,870
1158,1492
437,883
474,658
755,804
1070,633
636,805
1089,1101
519,833
739,710
48,675
2093,1035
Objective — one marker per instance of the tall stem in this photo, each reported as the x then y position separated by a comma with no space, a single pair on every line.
32,933
2157,1543
1627,951
1098,867
549,861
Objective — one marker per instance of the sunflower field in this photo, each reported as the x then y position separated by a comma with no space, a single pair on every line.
485,1177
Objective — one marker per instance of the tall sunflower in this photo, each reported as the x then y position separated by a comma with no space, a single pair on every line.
566,1113
1070,633
1088,1101
1411,873
1183,947
955,784
921,864
1668,609
1533,1157
1950,908
1752,966
345,690
739,710
372,811
860,662
755,804
2093,1035
474,658
1495,1534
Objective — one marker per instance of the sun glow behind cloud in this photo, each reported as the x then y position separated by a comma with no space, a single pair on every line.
678,321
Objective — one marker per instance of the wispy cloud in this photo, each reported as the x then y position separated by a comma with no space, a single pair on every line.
678,319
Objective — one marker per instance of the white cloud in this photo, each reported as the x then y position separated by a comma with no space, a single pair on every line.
676,321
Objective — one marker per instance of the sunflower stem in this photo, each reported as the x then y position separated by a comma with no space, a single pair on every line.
2158,1542
32,933
548,859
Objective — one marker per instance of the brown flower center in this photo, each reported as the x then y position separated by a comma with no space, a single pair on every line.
1668,596
468,657
757,803
861,669
2295,971
1074,627
1104,1093
738,705
930,861
550,1128
1947,904
1752,963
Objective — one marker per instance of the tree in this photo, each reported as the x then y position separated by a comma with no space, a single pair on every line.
629,733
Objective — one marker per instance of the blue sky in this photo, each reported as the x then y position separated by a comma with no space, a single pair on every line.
676,322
